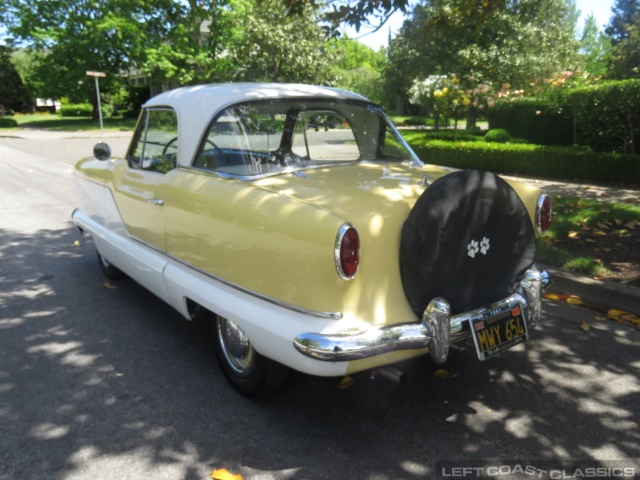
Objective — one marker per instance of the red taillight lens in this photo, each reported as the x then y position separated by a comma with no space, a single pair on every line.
543,214
347,252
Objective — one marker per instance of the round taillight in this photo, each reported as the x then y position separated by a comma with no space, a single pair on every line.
347,251
543,214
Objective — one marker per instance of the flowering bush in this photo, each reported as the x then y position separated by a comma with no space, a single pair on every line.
441,94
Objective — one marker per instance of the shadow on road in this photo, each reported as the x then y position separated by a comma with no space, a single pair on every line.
111,383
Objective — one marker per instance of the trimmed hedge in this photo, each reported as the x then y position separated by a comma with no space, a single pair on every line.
85,110
607,115
499,135
530,160
536,120
8,123
76,110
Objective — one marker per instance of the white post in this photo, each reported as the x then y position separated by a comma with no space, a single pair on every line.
96,75
99,107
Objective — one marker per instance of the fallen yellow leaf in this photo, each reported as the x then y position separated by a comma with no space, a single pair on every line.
109,285
574,301
573,234
76,243
551,296
346,382
585,326
600,232
607,250
444,374
616,313
224,474
630,318
600,318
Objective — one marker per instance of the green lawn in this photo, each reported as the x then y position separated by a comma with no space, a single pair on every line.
57,123
597,238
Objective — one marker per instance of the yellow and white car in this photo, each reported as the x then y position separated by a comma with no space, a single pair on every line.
299,220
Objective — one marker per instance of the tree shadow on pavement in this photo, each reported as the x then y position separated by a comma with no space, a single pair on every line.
98,382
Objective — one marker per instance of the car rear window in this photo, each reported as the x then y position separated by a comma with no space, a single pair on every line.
270,137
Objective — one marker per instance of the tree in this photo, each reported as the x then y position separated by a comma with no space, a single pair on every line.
80,35
358,67
201,43
595,48
351,12
282,47
624,31
13,94
625,56
625,13
491,42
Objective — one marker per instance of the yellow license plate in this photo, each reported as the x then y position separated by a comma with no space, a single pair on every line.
499,330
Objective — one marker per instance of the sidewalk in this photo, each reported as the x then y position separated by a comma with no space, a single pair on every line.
603,193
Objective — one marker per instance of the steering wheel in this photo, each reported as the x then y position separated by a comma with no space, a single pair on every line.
169,143
174,139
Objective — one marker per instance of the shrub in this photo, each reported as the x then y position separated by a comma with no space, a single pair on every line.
85,110
607,116
8,123
540,121
76,110
450,135
499,135
529,160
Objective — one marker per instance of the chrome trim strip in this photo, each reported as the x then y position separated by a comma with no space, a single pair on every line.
428,333
279,303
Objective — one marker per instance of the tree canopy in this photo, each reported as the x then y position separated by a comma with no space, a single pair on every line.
171,41
13,94
508,45
624,31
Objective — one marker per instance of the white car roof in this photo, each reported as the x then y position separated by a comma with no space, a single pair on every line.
196,106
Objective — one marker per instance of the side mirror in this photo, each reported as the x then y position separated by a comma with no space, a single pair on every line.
102,151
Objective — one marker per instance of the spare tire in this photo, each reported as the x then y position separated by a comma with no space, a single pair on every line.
468,239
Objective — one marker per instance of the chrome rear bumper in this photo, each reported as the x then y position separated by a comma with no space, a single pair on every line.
437,330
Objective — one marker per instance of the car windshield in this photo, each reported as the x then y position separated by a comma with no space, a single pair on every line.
280,136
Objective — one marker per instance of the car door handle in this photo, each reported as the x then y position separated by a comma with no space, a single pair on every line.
156,201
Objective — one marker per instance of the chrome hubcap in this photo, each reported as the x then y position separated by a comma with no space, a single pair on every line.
236,347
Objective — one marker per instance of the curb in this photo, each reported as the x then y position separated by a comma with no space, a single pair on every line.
603,293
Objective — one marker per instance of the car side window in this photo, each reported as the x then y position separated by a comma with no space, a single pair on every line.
241,140
155,144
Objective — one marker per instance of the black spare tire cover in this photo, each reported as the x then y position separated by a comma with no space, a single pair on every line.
469,239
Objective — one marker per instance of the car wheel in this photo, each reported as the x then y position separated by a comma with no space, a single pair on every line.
110,271
250,373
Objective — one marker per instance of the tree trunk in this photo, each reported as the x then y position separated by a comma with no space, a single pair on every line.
399,105
471,119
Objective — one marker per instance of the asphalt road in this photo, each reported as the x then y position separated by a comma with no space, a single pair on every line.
100,383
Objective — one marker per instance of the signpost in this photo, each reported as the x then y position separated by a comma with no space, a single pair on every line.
97,75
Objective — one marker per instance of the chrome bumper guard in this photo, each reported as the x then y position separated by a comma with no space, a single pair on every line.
437,330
